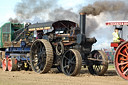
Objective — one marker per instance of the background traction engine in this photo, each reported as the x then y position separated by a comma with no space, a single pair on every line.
14,52
64,45
121,50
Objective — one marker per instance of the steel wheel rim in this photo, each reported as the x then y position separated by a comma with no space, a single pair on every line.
121,60
4,64
9,64
69,62
39,56
100,63
98,67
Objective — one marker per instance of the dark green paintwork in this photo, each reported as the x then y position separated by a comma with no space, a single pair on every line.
8,29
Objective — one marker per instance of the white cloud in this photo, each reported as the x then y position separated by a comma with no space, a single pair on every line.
6,18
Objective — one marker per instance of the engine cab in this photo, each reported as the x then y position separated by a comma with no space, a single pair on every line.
117,25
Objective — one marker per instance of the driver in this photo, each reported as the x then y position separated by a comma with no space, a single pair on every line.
116,37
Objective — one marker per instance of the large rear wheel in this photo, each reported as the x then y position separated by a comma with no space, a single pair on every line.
41,56
100,63
121,60
71,62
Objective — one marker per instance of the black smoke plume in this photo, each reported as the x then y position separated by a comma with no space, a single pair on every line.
103,6
15,20
108,11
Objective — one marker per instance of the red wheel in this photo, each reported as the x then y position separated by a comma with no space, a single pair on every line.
5,64
12,64
121,60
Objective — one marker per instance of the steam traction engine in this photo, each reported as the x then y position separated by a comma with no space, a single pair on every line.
121,50
64,45
61,44
14,52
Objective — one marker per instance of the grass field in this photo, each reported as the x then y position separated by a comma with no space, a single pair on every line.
111,66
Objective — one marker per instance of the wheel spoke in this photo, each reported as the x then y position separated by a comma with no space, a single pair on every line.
73,62
122,59
66,66
66,57
99,68
125,72
70,69
37,64
123,63
73,58
95,67
123,55
70,54
41,66
41,48
126,52
35,46
43,52
124,67
126,46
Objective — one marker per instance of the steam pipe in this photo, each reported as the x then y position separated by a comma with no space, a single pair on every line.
82,23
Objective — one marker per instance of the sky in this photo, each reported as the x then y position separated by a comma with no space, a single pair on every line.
7,10
7,7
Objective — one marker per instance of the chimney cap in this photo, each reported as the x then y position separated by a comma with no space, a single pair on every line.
82,13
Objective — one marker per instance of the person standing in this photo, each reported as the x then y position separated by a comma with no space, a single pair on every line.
116,37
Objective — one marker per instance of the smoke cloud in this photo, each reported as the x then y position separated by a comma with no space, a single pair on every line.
15,20
91,26
102,11
63,14
103,6
28,9
43,10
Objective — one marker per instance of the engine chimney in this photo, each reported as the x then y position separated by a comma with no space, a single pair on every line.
82,23
81,38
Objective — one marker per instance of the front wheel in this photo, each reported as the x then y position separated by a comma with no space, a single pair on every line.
100,63
71,62
121,60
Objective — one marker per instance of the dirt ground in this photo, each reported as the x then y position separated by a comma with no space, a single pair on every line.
55,78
